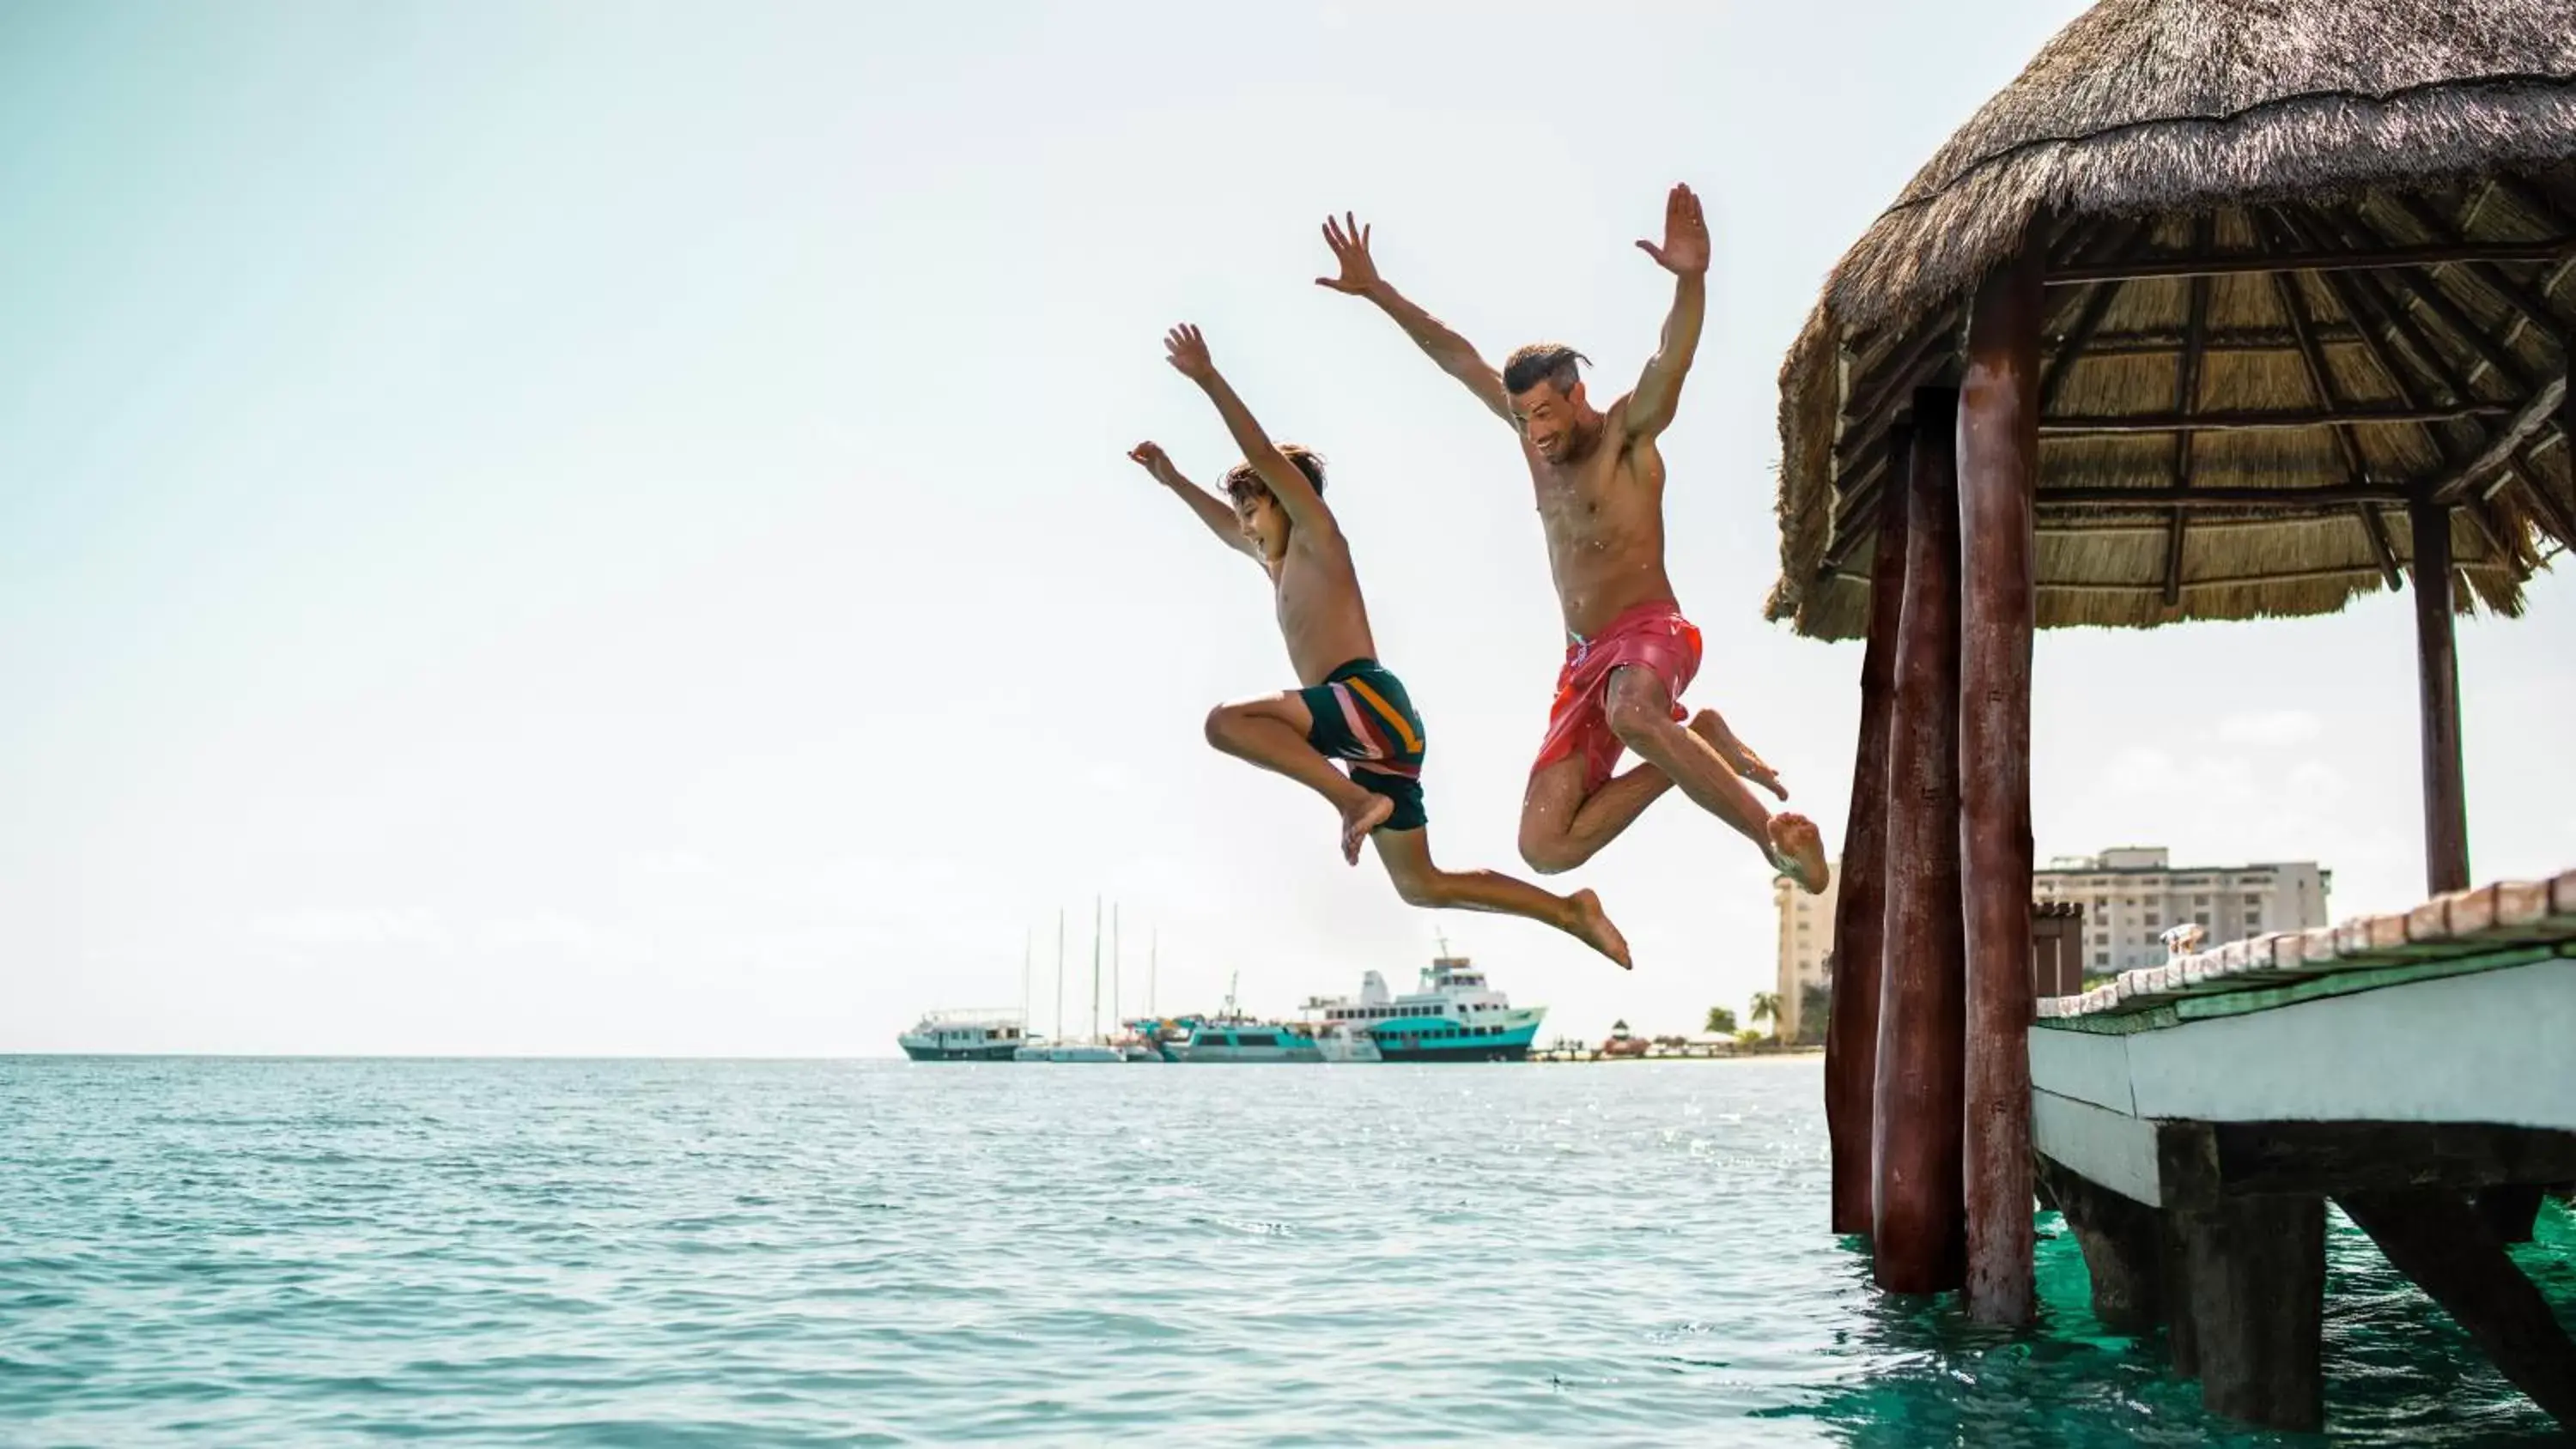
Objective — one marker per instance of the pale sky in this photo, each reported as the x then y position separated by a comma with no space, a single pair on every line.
594,529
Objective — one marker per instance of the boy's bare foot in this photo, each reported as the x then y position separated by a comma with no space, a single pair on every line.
1592,927
1359,819
1799,853
1710,726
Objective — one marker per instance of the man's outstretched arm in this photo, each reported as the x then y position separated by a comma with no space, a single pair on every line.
1456,356
1684,254
1287,483
1211,509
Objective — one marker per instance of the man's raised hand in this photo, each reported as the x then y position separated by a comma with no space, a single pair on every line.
1350,243
1685,249
1187,351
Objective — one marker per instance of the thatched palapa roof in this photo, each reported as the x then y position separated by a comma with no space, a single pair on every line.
2163,152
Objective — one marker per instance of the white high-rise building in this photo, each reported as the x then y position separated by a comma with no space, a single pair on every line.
1806,938
2131,896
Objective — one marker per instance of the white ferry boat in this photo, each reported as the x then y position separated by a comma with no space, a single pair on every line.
965,1036
1455,1017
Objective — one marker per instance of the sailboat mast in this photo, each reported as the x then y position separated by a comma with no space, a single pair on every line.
1025,947
1095,968
1153,973
1117,970
1059,974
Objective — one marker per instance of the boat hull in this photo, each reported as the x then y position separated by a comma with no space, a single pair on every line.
1492,1052
989,1052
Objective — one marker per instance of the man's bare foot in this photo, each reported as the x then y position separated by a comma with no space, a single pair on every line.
1710,726
1358,820
1799,853
1590,926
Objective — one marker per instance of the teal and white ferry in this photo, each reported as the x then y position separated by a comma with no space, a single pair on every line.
1455,1017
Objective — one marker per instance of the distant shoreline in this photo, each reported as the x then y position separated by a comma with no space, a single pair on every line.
1593,1058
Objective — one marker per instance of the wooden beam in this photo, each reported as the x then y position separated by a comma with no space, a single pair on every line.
2251,420
2257,340
2320,499
2077,340
2377,329
2444,314
2303,332
1918,1214
1892,386
2531,309
2256,1272
2446,819
2253,1159
2232,264
2187,403
1851,1031
2437,1239
2122,1249
2540,409
1998,444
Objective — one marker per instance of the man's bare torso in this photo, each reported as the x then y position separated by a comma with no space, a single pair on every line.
1604,516
1321,614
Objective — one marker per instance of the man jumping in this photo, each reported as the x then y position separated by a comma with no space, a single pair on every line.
1629,651
1351,711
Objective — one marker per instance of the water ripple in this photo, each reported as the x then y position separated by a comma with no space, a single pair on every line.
718,1253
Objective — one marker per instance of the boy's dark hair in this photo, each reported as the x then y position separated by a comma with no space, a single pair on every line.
1243,477
1542,362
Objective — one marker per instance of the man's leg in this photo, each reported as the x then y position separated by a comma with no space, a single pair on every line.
1271,732
1641,714
1561,827
1407,857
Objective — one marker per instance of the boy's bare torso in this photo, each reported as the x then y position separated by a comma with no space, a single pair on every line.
1322,617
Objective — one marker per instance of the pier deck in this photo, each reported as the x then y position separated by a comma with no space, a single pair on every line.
2419,1069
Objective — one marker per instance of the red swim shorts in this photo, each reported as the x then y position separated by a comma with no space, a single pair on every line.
1652,636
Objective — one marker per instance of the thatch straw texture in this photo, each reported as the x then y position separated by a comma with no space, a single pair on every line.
2158,128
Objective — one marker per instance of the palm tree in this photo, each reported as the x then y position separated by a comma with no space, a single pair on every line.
1766,1007
1721,1022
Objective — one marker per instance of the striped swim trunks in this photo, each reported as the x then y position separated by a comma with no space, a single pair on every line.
1364,719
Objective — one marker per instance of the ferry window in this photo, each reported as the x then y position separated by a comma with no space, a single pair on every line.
1258,1038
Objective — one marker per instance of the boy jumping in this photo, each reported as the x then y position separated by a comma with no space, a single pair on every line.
1351,708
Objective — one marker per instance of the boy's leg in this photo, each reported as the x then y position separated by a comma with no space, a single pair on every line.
1271,732
1641,714
1407,857
1561,827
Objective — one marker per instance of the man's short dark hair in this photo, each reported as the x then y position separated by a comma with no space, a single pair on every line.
1243,477
1542,362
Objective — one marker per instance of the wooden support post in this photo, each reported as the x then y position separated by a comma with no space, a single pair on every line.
2256,1272
1851,1033
2446,810
2123,1249
2437,1239
1998,478
1918,1227
2511,1211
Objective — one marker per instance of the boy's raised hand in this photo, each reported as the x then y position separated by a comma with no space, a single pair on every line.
1150,456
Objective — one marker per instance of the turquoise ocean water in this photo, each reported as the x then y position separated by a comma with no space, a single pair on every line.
283,1252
